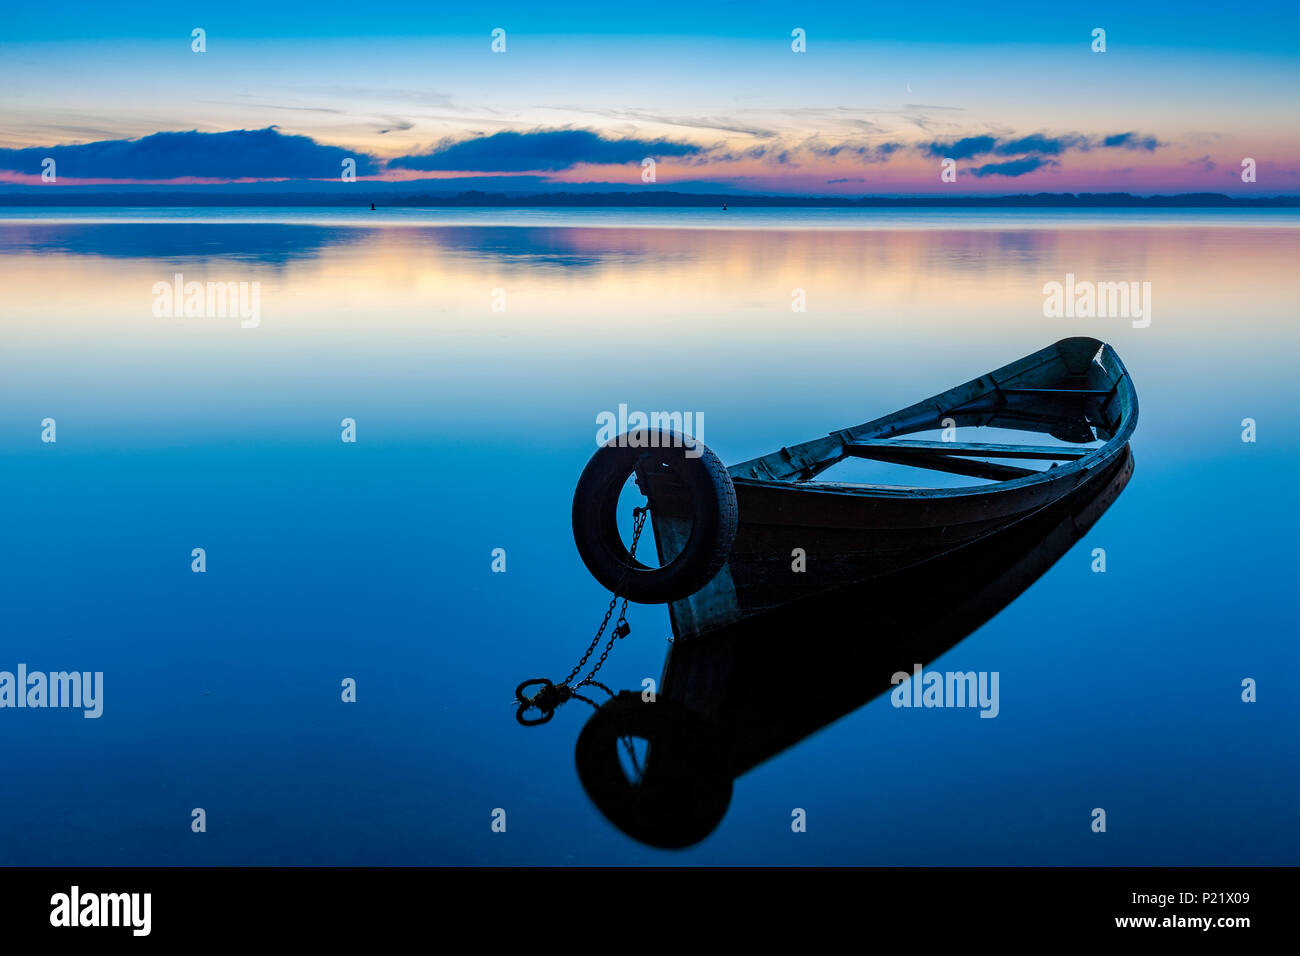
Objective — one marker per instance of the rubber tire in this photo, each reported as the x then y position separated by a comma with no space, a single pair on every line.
595,520
687,786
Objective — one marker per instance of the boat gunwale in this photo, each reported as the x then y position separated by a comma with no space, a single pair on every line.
836,442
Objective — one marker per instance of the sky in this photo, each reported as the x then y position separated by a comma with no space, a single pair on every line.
715,96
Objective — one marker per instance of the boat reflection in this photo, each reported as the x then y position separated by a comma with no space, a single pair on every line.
743,693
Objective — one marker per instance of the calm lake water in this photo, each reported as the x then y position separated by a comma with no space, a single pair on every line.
474,350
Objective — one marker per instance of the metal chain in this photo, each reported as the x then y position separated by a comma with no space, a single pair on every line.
620,628
556,694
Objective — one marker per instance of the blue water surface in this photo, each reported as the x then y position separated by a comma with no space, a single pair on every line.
372,561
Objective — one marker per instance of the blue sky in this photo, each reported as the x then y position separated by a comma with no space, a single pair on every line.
1173,25
712,93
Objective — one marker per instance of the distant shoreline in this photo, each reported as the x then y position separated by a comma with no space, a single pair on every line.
33,197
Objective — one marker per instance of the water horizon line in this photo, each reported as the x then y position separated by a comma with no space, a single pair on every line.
34,197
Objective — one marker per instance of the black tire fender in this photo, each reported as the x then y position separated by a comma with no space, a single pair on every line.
595,519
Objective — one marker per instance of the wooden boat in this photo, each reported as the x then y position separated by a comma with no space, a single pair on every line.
732,693
739,696
1076,392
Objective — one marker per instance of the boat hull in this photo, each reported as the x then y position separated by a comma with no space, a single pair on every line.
799,537
861,634
748,691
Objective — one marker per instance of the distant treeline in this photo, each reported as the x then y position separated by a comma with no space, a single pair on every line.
640,200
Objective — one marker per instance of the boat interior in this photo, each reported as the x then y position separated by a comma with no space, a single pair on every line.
1044,411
